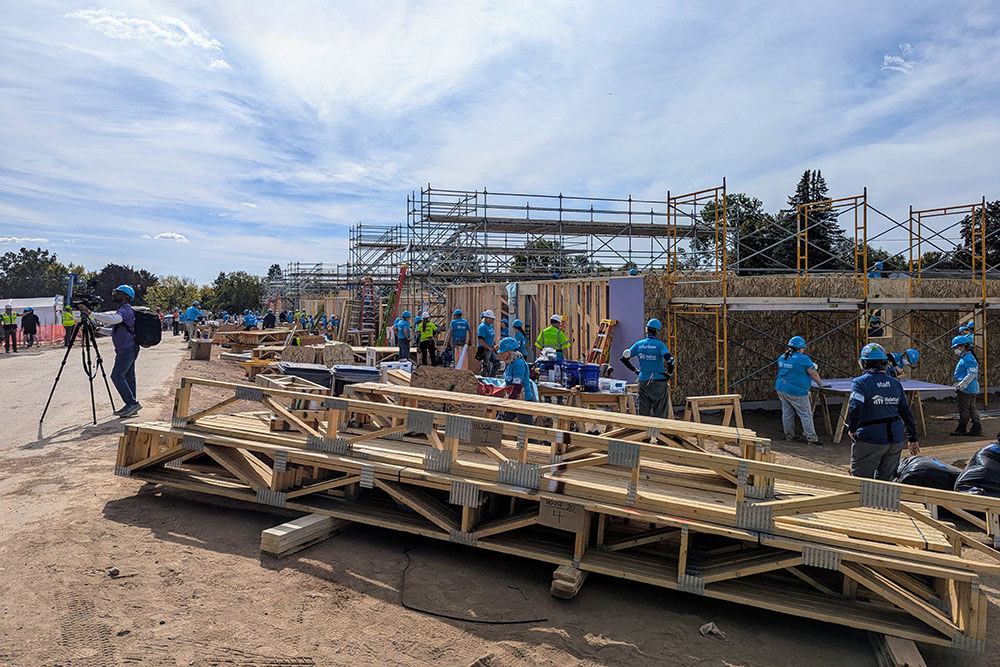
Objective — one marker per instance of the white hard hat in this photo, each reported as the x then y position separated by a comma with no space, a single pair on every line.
425,315
556,318
489,314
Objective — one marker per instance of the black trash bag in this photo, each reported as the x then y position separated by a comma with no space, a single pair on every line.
926,471
982,475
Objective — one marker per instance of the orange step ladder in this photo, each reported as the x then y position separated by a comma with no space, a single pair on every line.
601,349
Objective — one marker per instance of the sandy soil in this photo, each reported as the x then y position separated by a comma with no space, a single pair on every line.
190,586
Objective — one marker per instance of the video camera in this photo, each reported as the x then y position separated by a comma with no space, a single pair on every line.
86,296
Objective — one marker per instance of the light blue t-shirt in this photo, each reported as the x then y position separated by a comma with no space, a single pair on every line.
650,352
402,329
459,330
486,332
517,373
966,365
792,376
192,314
523,342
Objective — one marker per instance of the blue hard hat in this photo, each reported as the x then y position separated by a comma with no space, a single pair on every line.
968,326
961,340
417,319
507,344
654,324
503,320
29,309
913,356
405,314
518,324
125,289
878,265
458,312
633,272
196,303
796,341
874,352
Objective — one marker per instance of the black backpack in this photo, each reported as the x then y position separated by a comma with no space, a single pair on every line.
147,328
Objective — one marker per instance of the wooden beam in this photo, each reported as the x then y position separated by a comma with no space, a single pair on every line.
435,512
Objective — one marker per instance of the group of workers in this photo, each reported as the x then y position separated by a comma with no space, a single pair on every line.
878,411
29,326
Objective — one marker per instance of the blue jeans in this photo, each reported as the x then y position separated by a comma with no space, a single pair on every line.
123,374
797,405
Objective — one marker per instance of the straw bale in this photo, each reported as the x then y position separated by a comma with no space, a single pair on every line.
333,354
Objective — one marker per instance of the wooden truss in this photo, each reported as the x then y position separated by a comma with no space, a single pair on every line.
639,502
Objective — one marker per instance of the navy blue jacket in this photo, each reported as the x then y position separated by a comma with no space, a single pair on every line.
878,410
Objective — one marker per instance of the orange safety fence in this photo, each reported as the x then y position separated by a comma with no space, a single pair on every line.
47,334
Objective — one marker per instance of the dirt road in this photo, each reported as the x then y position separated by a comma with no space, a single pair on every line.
190,587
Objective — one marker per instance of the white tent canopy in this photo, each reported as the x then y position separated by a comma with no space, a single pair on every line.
46,307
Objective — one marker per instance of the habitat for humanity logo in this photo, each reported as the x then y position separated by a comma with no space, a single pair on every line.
884,400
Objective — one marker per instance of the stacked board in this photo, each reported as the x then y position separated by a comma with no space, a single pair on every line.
645,503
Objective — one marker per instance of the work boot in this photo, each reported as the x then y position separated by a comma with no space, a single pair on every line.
977,429
960,430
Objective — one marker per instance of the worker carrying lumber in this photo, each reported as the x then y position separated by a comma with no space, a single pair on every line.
29,325
876,416
656,366
522,340
402,326
9,320
69,325
966,385
427,345
552,336
486,349
796,372
516,375
900,363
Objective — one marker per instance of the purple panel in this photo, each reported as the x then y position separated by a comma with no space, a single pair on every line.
627,304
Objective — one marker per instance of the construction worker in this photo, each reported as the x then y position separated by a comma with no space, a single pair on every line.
270,319
402,325
900,363
967,385
321,321
516,376
552,336
796,373
29,325
176,322
249,320
427,345
458,330
656,366
876,416
876,271
69,325
504,328
9,321
191,317
122,331
486,348
522,340
967,329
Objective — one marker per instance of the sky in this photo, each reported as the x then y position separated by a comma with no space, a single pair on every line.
193,138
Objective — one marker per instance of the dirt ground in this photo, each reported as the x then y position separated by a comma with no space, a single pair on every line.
191,588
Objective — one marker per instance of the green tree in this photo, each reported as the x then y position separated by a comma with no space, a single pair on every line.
547,258
113,275
237,290
172,292
756,240
962,258
274,273
28,273
828,249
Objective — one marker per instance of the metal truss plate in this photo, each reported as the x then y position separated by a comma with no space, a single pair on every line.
367,477
759,492
462,537
394,436
437,460
456,426
688,583
250,394
963,643
178,422
528,475
193,443
742,472
652,432
269,497
328,445
123,471
280,460
879,495
630,495
754,517
555,458
522,437
418,421
624,453
350,390
828,559
563,437
336,404
465,494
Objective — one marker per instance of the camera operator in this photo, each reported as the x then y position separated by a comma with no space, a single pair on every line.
122,332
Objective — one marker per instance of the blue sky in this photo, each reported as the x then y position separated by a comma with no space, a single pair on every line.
192,138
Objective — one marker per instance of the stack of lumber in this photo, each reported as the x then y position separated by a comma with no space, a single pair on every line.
299,534
241,341
646,503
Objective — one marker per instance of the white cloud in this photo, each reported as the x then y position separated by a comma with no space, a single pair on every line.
897,64
168,236
248,204
21,239
219,64
165,29
70,240
906,48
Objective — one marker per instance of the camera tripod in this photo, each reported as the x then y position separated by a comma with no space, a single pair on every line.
92,362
